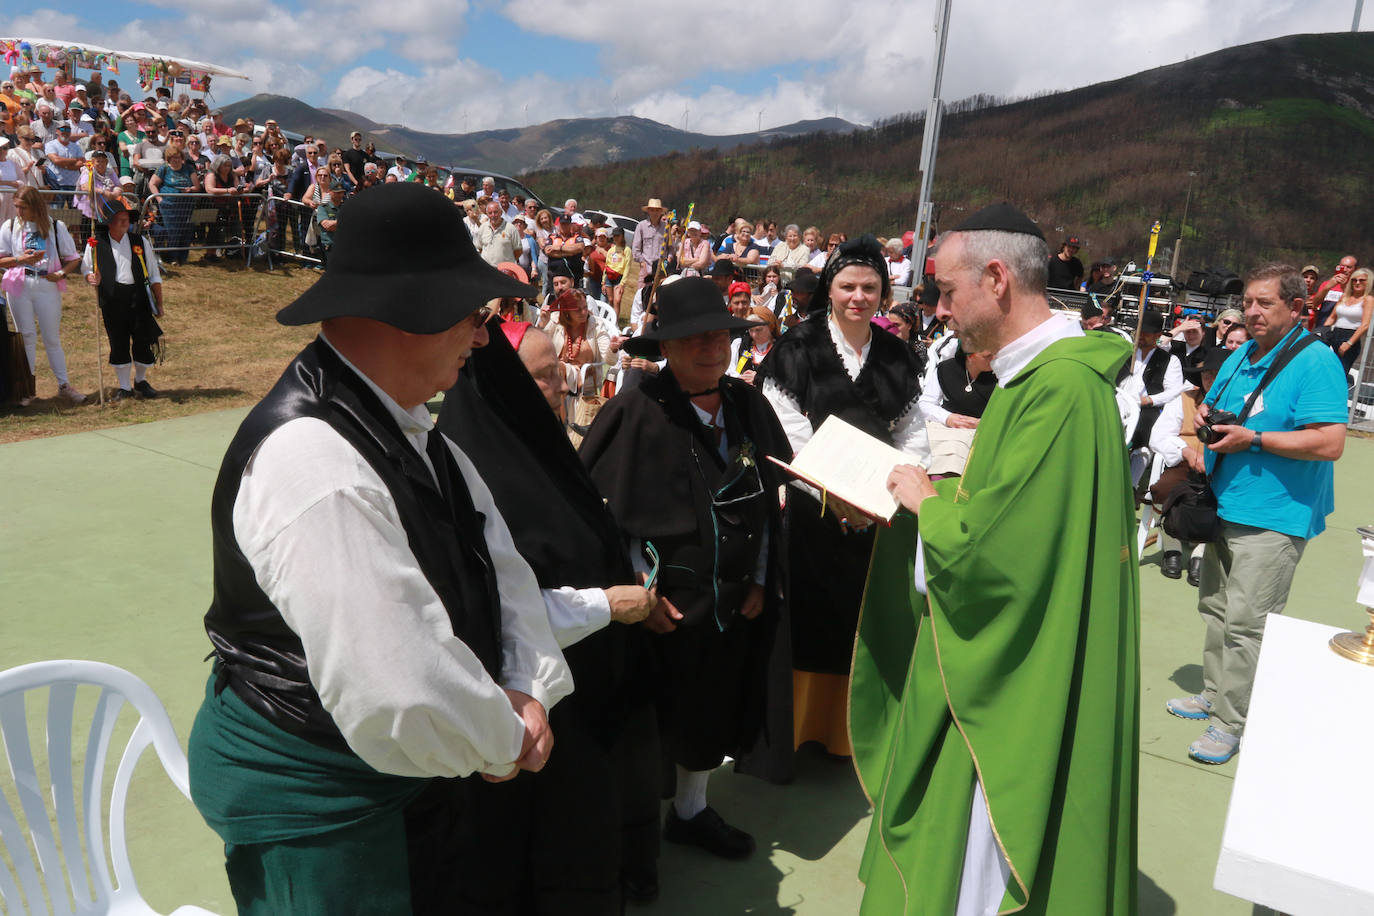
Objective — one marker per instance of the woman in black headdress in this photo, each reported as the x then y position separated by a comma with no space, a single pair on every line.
837,363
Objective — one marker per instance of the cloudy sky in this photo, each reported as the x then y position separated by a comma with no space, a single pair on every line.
463,65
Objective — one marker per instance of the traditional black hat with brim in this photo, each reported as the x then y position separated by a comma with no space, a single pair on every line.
802,282
402,256
1152,323
690,306
723,269
1211,364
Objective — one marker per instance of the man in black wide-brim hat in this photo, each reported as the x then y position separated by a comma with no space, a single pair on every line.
373,625
682,462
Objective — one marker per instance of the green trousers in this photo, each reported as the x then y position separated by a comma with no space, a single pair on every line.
1245,577
361,869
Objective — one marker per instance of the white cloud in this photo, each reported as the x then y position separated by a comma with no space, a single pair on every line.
864,59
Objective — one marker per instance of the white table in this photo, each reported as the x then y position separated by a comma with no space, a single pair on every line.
1300,829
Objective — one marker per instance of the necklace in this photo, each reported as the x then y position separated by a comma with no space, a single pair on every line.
969,386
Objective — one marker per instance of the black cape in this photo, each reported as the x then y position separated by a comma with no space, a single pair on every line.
552,842
726,689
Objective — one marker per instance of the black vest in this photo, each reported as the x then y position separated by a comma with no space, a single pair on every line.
256,653
952,375
1156,364
105,263
807,366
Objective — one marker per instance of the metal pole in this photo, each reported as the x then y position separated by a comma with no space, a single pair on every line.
931,139
1173,268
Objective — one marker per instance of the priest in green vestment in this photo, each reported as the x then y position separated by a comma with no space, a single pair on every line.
997,668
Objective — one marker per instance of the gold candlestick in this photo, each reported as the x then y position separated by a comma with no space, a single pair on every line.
1358,647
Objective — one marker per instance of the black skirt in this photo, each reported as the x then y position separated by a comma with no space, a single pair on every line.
828,571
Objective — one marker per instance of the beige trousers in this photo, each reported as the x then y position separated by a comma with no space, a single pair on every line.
1245,577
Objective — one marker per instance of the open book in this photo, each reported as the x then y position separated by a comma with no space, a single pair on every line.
842,461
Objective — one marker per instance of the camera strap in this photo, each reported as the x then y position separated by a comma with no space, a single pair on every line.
1301,342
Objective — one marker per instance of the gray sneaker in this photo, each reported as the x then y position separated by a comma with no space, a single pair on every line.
1215,746
71,394
1193,707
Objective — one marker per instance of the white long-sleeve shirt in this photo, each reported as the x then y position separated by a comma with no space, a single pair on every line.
1173,378
1165,438
321,532
123,258
930,405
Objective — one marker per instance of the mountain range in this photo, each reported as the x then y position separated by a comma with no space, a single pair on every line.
554,144
1266,146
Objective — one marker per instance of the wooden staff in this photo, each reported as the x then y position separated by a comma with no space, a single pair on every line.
95,269
1145,290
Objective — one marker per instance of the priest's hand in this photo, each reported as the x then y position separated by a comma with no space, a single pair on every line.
664,617
630,603
911,485
538,743
753,603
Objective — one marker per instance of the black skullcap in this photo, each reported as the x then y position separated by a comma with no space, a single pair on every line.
1001,218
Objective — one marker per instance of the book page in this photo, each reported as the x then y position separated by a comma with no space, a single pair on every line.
852,465
949,448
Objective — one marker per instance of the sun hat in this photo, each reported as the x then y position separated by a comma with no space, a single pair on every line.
653,204
402,256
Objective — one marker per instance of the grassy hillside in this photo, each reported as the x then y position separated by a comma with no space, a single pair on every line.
1279,133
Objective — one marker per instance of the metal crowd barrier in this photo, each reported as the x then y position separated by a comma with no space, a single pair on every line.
62,206
1362,396
184,222
283,231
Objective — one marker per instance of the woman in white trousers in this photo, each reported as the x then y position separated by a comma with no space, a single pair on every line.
42,249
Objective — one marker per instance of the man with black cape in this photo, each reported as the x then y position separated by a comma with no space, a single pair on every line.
682,461
552,843
996,689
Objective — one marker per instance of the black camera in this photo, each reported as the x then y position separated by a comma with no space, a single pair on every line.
1206,434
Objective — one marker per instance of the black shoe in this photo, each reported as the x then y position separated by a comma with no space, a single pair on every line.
639,886
145,390
1194,571
579,429
1172,565
709,831
122,394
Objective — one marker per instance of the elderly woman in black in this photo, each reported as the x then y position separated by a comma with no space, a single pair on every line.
837,363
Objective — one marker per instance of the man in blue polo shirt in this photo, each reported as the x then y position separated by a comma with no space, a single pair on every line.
1274,491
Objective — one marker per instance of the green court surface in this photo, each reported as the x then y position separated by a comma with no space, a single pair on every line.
105,554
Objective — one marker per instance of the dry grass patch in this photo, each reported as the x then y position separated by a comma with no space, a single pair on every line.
224,348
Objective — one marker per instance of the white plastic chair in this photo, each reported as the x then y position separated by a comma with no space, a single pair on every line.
76,882
603,311
1149,515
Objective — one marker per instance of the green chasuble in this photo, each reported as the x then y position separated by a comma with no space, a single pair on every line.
1022,670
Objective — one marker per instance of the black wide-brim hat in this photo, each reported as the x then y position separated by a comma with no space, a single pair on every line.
402,256
692,305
